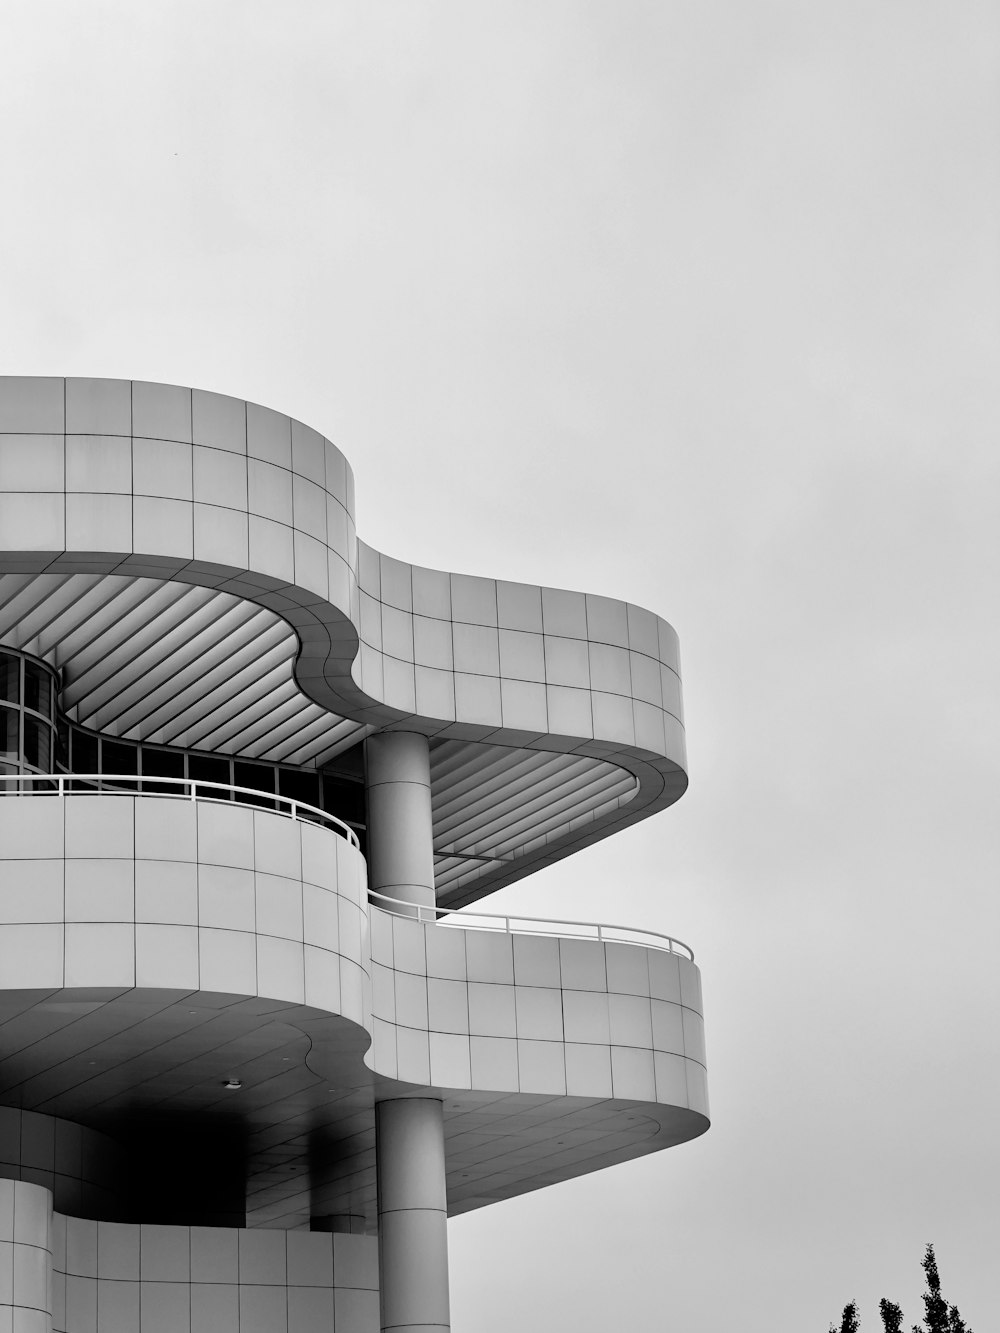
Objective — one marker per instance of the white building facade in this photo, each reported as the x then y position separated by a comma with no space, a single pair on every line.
259,1035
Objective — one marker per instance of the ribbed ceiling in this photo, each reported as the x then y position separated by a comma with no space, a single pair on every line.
491,805
172,664
177,664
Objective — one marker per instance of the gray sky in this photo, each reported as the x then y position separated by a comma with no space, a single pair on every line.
692,304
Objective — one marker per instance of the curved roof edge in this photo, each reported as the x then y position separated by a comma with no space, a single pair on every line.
158,481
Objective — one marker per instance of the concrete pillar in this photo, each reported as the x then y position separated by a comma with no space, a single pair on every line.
400,847
26,1256
412,1216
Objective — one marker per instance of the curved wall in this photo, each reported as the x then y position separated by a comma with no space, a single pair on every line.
492,1011
25,1257
84,1170
111,892
161,482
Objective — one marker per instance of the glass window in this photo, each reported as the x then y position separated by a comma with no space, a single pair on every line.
37,745
299,785
210,768
259,777
162,764
62,743
118,757
84,752
9,748
37,689
344,798
83,756
10,677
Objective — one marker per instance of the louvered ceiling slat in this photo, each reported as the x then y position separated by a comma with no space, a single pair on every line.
187,665
185,655
257,736
217,687
113,610
508,770
208,734
29,605
223,730
12,585
291,728
563,813
133,638
347,734
560,802
32,610
454,808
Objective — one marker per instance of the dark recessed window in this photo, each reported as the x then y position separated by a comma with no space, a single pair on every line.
116,757
9,718
208,768
259,777
10,677
62,743
37,689
299,786
162,764
37,745
83,755
344,798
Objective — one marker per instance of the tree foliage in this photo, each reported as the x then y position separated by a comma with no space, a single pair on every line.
939,1316
892,1316
849,1320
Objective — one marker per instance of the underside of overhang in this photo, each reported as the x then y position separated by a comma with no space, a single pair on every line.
170,663
149,1065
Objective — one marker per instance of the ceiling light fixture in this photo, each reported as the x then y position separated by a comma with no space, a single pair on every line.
234,1084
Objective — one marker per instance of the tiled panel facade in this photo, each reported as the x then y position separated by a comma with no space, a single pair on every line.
26,1240
165,483
109,465
191,480
493,1011
128,1278
84,1170
203,977
535,662
152,891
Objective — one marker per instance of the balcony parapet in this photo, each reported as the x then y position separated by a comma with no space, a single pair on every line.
468,919
125,784
110,889
476,1002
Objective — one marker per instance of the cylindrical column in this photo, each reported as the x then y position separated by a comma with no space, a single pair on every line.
412,1216
26,1218
400,846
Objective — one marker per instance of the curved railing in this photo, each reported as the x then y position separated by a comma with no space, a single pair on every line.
531,925
117,784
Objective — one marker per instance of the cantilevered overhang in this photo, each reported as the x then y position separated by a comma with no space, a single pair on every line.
190,563
176,966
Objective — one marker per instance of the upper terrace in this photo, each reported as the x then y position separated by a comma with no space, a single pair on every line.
190,566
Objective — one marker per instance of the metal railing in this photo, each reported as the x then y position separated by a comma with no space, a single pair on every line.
463,919
194,789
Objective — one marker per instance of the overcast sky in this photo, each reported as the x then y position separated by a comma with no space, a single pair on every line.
694,304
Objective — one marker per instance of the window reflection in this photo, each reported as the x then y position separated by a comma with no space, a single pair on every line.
9,718
37,745
10,676
37,689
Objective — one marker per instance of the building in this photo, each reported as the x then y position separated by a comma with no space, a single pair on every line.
251,1053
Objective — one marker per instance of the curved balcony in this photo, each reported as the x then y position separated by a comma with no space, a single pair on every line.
190,789
466,919
125,912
